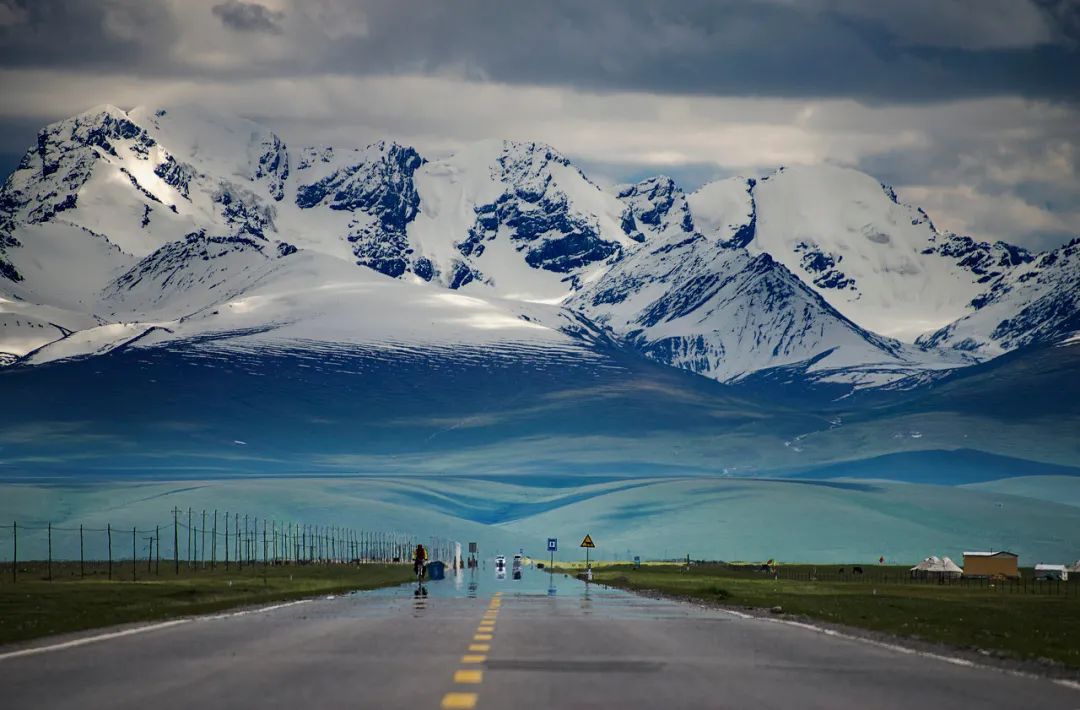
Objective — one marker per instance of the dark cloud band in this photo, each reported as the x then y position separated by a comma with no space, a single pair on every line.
814,48
248,16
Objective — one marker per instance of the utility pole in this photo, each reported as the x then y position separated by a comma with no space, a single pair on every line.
213,543
176,540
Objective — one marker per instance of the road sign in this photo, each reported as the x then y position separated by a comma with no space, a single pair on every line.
553,544
637,561
472,548
587,542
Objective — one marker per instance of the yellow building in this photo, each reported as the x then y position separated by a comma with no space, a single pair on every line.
991,564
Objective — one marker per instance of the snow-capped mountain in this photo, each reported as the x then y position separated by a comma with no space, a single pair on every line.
708,305
879,262
153,225
1037,302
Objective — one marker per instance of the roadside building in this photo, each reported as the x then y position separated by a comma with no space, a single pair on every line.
1052,572
934,567
991,564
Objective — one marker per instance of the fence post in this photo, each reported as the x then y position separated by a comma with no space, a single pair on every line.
50,552
108,532
190,535
14,550
176,540
202,542
213,543
264,543
82,557
226,541
239,557
157,550
134,554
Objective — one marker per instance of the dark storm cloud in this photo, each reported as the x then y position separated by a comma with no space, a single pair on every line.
761,48
914,50
248,16
81,34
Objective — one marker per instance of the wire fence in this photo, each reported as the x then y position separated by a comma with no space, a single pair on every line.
192,541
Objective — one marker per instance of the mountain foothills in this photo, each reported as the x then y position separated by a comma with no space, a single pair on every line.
173,230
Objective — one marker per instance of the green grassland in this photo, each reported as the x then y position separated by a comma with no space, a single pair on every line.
32,606
1003,620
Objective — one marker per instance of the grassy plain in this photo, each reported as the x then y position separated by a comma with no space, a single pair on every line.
1032,622
32,606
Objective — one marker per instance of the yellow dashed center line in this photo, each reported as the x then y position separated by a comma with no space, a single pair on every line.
471,676
459,701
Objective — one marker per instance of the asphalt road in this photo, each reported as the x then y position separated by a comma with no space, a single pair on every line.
480,642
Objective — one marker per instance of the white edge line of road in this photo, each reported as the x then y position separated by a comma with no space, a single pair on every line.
1074,685
33,651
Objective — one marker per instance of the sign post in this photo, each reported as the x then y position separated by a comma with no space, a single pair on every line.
553,547
587,543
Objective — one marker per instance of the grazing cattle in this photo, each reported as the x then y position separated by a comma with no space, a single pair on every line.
841,570
856,570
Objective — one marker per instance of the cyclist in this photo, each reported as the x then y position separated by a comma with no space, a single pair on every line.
419,560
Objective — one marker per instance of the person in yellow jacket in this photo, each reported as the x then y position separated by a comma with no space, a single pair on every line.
419,561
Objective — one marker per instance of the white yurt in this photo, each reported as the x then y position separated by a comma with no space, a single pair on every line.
935,567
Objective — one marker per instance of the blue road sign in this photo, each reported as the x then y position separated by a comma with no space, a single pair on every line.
553,544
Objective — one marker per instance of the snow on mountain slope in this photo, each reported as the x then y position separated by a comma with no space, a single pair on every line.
724,210
1038,302
711,307
188,275
26,326
521,221
879,262
245,298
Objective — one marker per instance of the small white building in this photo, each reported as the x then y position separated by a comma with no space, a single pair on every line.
936,568
1052,572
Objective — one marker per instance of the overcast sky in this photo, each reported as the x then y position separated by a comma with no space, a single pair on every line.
971,108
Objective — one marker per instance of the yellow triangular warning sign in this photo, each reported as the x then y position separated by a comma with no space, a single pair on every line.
587,542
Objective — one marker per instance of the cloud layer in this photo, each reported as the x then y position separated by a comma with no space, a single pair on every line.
969,109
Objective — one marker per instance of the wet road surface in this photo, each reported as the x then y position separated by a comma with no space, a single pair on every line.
477,641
